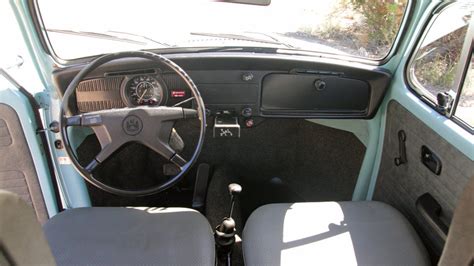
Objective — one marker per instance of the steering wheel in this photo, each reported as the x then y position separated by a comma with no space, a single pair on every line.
150,126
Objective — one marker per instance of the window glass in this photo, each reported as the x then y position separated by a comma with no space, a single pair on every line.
465,107
434,66
360,28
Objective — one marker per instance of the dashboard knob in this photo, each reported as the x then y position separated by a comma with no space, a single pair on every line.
247,76
247,112
320,84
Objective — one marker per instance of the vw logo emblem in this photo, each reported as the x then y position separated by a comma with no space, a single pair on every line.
132,125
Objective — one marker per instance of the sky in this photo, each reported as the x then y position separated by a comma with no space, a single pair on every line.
171,21
11,46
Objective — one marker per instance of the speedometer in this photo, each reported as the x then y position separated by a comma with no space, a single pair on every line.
144,90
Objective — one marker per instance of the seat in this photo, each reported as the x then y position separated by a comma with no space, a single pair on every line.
331,233
459,248
144,236
107,236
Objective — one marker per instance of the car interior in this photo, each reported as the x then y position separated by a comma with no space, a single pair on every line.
238,154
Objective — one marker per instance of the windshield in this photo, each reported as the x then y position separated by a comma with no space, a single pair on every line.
361,28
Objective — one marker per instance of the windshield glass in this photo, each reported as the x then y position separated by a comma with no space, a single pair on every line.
361,28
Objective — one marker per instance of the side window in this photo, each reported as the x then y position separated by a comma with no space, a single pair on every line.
465,107
440,60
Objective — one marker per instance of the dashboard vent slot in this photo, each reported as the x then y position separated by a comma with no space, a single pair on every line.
109,84
134,72
99,94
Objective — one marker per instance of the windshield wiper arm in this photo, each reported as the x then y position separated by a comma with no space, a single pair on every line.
238,37
110,36
273,38
142,36
250,49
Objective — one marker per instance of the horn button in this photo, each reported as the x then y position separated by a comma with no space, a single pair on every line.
132,125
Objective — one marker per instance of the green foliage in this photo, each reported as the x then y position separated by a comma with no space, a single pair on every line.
382,19
365,28
436,63
436,74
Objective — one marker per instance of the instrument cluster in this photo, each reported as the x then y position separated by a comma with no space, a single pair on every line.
143,90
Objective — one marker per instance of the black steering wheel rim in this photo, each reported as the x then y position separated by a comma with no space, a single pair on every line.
87,175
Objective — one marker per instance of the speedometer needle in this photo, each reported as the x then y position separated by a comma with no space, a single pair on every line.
141,97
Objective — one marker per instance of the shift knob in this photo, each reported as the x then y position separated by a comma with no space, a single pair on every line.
234,189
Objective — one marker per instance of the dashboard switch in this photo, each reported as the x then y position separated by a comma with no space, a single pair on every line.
247,112
249,123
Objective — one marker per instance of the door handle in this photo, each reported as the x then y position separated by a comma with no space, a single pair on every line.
402,155
431,160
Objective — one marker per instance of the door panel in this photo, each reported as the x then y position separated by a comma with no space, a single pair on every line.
402,185
25,168
17,171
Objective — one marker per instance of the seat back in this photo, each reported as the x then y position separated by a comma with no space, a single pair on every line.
459,248
22,241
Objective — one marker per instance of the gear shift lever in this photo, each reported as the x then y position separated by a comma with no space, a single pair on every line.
234,191
225,231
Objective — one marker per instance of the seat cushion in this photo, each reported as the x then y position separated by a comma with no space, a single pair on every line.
130,236
331,233
22,242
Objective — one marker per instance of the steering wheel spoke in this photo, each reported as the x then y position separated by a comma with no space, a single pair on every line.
107,151
162,146
164,113
103,155
92,166
167,152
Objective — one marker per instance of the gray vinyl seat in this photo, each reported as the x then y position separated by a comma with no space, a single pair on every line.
331,233
130,236
103,236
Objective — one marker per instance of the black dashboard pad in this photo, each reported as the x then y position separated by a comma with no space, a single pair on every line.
259,85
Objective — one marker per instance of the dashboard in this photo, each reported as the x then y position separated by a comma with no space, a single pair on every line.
241,85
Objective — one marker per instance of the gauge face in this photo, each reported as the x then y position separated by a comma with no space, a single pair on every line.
144,90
